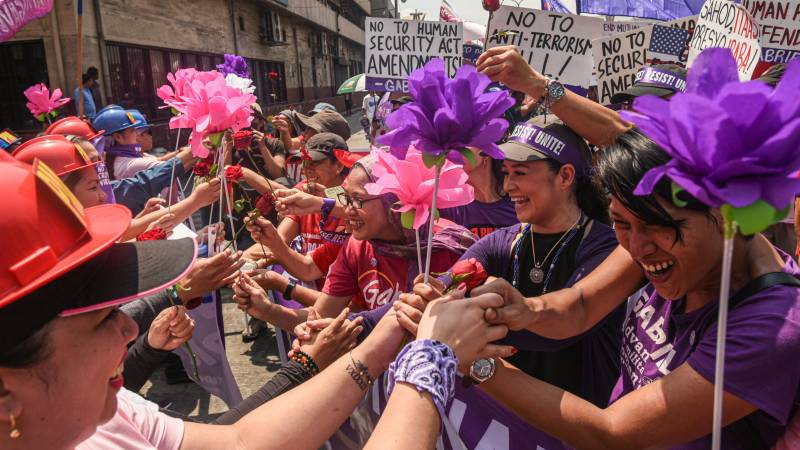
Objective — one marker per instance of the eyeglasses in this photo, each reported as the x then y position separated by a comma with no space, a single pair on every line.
356,203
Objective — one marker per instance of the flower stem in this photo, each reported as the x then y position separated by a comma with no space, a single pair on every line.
432,222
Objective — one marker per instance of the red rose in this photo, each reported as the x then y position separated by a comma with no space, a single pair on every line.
156,234
265,203
273,75
470,272
202,169
242,139
491,5
234,173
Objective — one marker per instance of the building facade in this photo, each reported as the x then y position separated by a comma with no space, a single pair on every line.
300,51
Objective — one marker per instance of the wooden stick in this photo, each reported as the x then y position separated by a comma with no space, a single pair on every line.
79,64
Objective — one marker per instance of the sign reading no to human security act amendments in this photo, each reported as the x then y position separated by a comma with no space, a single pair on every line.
395,48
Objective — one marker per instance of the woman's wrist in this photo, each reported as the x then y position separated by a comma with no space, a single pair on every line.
536,85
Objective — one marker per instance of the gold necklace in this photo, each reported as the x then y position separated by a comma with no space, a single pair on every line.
537,274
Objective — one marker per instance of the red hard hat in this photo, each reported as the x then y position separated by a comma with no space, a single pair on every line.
46,232
74,126
58,152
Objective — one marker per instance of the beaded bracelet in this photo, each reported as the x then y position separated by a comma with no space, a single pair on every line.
428,366
359,372
305,360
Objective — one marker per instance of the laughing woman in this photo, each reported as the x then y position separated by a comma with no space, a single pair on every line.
376,263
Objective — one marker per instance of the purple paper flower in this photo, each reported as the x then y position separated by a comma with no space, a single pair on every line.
236,65
448,115
731,143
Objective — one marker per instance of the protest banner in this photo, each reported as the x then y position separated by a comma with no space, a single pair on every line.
688,24
472,52
15,14
779,22
557,45
395,48
612,28
617,60
726,24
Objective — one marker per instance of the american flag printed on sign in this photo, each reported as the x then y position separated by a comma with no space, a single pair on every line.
667,44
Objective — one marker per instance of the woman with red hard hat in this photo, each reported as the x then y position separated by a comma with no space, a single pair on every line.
62,337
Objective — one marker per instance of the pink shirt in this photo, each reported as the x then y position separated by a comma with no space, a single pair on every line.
125,167
137,425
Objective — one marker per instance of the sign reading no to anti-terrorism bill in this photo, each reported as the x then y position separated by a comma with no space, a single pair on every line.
395,48
557,45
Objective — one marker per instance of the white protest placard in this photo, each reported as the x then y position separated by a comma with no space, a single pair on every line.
617,60
617,27
557,45
780,28
688,24
396,47
726,24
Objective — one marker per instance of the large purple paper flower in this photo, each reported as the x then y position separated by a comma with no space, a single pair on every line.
731,143
236,65
448,115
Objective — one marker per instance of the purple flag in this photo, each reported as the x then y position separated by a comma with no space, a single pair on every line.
15,14
648,9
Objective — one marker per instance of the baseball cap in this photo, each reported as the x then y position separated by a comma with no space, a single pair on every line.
534,140
326,122
326,145
61,259
659,80
74,126
319,107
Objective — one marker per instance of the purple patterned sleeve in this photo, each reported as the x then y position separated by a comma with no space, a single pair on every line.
429,366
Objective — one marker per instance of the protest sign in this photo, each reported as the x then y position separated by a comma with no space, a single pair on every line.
618,59
472,52
395,48
779,22
667,45
557,45
726,24
15,14
688,24
612,28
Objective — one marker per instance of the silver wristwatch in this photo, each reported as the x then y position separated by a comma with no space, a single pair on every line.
554,91
480,371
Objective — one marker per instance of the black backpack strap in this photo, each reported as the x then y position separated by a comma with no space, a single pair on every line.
761,283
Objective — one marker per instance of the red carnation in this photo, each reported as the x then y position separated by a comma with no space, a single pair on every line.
265,203
491,5
202,169
234,173
273,75
242,139
156,234
469,271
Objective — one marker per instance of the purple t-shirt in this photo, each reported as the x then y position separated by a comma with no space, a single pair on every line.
483,218
762,357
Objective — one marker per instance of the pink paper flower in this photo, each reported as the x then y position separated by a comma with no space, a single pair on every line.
41,102
206,104
412,182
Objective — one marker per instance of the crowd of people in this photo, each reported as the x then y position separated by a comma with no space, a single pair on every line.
593,317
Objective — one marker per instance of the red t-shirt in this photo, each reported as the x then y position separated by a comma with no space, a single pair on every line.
309,228
371,279
324,256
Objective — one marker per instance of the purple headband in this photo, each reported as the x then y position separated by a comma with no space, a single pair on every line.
550,145
661,78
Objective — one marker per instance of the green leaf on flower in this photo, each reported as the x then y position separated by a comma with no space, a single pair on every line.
41,117
407,219
215,139
755,217
213,171
676,190
175,112
238,205
469,156
429,159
